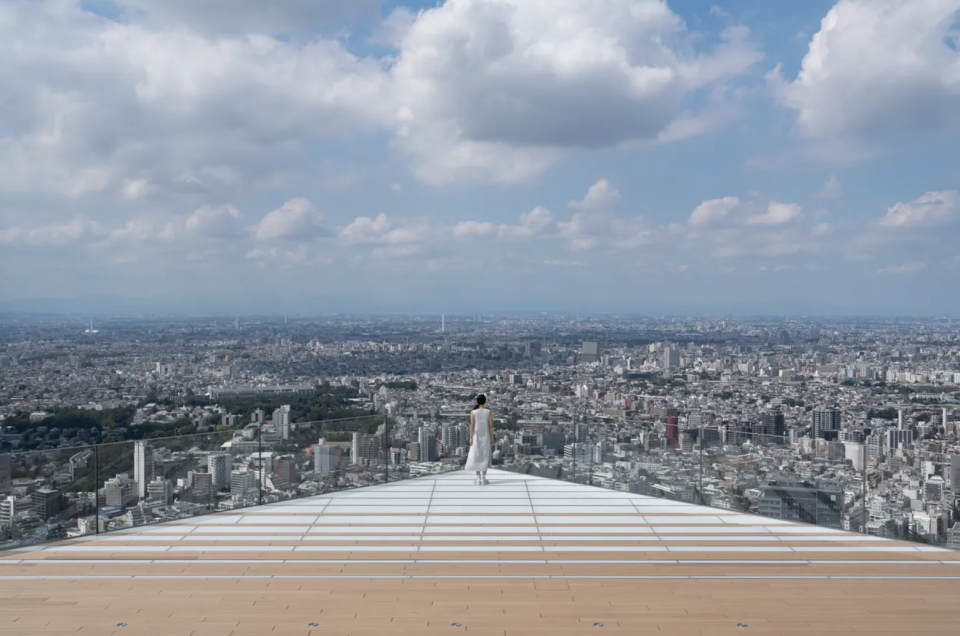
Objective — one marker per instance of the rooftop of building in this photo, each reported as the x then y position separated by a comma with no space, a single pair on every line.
520,556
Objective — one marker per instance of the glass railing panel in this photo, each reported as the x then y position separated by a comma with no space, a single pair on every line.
315,458
50,496
798,480
663,461
423,447
243,486
728,481
826,482
117,490
929,516
541,452
149,481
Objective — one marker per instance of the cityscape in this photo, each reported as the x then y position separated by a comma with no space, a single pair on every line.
129,421
479,317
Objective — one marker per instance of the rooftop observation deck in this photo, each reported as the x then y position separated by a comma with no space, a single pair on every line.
523,556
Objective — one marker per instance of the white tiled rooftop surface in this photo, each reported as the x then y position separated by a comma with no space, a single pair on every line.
444,531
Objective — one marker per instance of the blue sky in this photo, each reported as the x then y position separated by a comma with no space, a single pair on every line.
631,155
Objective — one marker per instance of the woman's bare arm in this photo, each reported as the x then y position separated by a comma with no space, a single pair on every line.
491,426
470,439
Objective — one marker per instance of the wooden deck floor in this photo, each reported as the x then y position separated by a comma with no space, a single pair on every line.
523,556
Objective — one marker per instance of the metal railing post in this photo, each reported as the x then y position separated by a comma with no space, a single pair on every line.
386,449
96,487
576,446
700,487
260,460
863,486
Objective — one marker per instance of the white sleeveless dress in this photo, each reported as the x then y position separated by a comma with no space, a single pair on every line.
481,447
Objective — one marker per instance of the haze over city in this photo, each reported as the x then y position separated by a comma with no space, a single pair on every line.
467,156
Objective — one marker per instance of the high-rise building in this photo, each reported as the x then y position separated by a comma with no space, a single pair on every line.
898,437
242,481
694,420
449,437
795,502
933,489
286,470
590,352
955,474
711,437
201,486
326,458
218,465
364,450
583,453
120,491
281,421
6,483
774,424
825,418
671,358
413,451
553,441
453,436
428,445
581,433
953,537
663,411
160,489
142,467
673,432
47,503
8,509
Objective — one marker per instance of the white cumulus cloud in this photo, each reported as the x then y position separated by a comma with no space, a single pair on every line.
250,16
74,231
878,66
390,238
777,214
600,196
536,222
931,209
713,210
474,229
137,107
297,219
498,89
208,221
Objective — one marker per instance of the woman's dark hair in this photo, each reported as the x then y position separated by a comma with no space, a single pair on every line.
481,400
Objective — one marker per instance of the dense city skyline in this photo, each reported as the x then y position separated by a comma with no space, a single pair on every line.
132,421
757,158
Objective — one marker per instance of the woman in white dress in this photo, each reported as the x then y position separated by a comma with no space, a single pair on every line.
481,441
